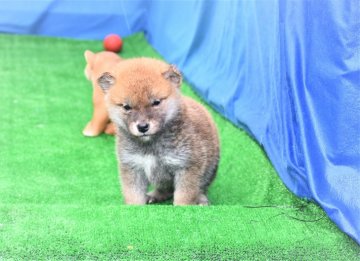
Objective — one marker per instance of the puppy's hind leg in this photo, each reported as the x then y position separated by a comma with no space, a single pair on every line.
160,194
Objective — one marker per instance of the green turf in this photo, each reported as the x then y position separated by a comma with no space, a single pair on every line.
60,196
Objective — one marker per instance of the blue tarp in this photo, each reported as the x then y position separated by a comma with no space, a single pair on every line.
286,71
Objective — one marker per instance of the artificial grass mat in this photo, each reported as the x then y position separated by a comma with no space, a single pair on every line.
59,191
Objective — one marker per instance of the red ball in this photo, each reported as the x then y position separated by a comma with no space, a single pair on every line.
113,43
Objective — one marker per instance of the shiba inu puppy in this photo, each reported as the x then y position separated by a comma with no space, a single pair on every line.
97,64
163,138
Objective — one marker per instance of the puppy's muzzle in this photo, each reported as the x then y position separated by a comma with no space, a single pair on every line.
143,127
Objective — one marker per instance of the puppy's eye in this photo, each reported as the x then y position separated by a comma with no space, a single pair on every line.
156,103
126,107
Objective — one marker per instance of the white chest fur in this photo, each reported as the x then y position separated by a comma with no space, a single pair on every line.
150,163
140,161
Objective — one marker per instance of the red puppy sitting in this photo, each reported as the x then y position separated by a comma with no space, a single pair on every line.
97,64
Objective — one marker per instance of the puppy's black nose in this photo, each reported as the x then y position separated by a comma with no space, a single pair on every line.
143,127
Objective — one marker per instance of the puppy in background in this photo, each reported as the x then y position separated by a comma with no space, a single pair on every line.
97,64
163,138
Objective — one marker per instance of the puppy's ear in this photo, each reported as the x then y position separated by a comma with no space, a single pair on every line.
89,56
173,75
105,81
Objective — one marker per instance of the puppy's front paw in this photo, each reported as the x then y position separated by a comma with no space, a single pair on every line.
203,200
91,131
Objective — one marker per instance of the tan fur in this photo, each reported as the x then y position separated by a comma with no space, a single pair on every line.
178,153
97,64
136,79
197,116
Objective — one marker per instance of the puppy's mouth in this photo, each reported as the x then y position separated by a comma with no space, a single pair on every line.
140,135
145,137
